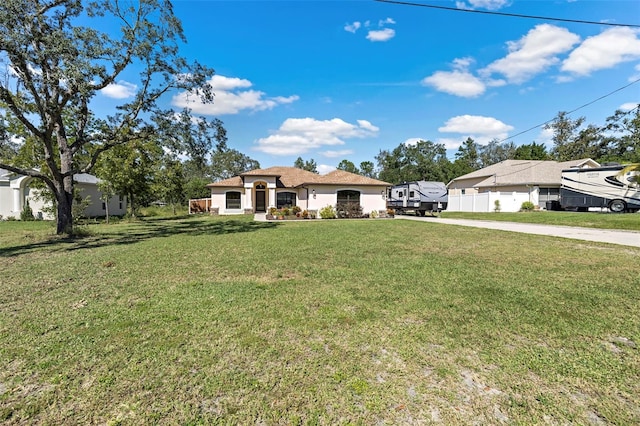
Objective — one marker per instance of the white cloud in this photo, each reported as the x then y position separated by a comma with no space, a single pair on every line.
323,169
300,135
605,50
230,97
366,125
220,82
459,83
453,143
628,106
381,35
545,137
336,154
533,53
481,129
352,28
413,141
483,4
120,90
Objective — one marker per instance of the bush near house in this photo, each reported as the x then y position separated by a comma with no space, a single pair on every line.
27,213
527,206
328,212
349,210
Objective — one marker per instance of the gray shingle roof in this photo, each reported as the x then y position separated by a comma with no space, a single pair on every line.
521,172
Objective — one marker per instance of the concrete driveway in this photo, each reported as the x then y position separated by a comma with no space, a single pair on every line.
625,238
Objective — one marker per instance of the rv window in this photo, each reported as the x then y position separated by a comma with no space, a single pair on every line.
412,194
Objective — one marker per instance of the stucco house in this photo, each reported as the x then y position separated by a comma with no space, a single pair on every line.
257,190
15,191
511,182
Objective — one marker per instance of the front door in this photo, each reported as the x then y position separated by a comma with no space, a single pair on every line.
260,201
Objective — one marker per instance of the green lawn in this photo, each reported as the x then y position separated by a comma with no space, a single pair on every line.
213,320
627,221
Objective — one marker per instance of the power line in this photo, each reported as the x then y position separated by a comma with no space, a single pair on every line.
513,15
576,109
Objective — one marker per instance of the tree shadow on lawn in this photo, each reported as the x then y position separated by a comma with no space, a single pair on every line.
139,231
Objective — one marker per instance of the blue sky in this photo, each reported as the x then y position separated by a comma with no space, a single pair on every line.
333,80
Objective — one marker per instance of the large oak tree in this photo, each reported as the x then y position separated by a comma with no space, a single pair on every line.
55,60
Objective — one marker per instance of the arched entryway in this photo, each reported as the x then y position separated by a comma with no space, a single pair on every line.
261,197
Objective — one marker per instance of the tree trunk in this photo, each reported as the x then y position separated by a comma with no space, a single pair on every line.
132,206
65,215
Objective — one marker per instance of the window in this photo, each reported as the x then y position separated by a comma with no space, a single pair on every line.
412,194
104,206
233,200
349,197
285,199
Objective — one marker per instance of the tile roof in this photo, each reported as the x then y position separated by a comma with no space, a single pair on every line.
520,172
291,177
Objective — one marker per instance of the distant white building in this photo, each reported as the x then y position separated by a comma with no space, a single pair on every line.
15,191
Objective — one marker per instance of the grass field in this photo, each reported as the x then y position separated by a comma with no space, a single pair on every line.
213,320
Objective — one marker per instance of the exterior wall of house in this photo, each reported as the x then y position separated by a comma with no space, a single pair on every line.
467,186
6,200
313,197
219,200
16,192
96,208
371,197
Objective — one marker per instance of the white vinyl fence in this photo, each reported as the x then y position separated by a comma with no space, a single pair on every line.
485,202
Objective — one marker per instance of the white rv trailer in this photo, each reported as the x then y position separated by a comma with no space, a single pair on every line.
418,196
600,187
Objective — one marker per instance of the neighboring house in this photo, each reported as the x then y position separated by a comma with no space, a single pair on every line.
15,191
257,190
511,182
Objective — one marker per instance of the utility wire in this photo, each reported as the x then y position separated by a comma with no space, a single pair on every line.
513,15
576,109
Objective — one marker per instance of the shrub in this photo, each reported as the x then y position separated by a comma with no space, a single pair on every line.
373,214
273,211
527,206
349,210
305,214
27,213
328,212
295,210
496,206
286,211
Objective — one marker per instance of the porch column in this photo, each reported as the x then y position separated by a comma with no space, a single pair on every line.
272,197
17,200
248,198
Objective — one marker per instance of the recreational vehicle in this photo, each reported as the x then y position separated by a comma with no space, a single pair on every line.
419,197
604,187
